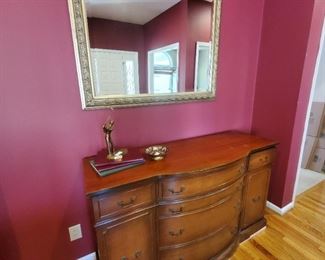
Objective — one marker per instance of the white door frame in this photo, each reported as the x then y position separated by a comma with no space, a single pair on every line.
312,92
198,45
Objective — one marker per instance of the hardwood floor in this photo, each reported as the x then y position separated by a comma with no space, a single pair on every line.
298,235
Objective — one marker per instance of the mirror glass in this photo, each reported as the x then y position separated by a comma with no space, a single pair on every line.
148,48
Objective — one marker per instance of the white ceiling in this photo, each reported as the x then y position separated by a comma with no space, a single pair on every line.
129,11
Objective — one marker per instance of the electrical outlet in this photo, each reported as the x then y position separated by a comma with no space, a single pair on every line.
75,232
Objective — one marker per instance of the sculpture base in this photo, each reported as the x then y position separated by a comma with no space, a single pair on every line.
117,155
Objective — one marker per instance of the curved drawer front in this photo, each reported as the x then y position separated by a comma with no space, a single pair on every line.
205,248
178,208
181,187
119,202
259,159
189,227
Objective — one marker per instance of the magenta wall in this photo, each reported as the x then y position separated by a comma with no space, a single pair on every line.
303,98
45,134
283,48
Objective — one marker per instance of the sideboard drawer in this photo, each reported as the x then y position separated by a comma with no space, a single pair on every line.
180,207
181,187
260,159
205,248
119,202
185,228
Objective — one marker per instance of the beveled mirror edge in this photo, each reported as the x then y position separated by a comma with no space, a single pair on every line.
81,45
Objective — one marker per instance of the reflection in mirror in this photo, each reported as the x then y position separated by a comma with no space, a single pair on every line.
163,69
115,72
145,50
133,32
202,68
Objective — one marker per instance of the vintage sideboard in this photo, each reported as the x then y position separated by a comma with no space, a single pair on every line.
206,196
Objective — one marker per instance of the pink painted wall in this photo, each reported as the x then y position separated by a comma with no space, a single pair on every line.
303,98
283,48
44,134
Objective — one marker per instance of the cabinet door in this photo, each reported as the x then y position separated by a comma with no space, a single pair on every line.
128,239
255,196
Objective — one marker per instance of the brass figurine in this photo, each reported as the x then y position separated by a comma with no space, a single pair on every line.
112,154
108,128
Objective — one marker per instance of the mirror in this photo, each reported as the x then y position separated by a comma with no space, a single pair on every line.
141,52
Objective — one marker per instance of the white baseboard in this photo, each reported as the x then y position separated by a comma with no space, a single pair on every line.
280,211
91,256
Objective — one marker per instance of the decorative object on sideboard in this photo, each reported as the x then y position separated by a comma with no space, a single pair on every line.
156,152
112,154
104,166
111,160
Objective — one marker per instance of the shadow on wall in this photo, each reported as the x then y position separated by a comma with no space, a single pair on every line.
8,242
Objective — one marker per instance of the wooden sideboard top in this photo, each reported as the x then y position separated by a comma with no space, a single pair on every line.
184,156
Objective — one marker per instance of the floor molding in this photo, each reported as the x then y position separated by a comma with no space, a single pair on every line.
257,232
91,256
280,211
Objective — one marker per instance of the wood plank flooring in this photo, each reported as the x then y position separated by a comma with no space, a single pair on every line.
298,235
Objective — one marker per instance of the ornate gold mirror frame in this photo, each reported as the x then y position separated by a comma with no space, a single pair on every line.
80,36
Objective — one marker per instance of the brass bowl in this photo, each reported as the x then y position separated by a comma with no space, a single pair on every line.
156,152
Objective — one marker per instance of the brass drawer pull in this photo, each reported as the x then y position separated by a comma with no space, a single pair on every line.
124,258
176,234
265,159
124,204
257,199
138,254
177,192
176,211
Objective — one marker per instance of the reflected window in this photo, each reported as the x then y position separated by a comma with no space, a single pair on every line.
163,69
